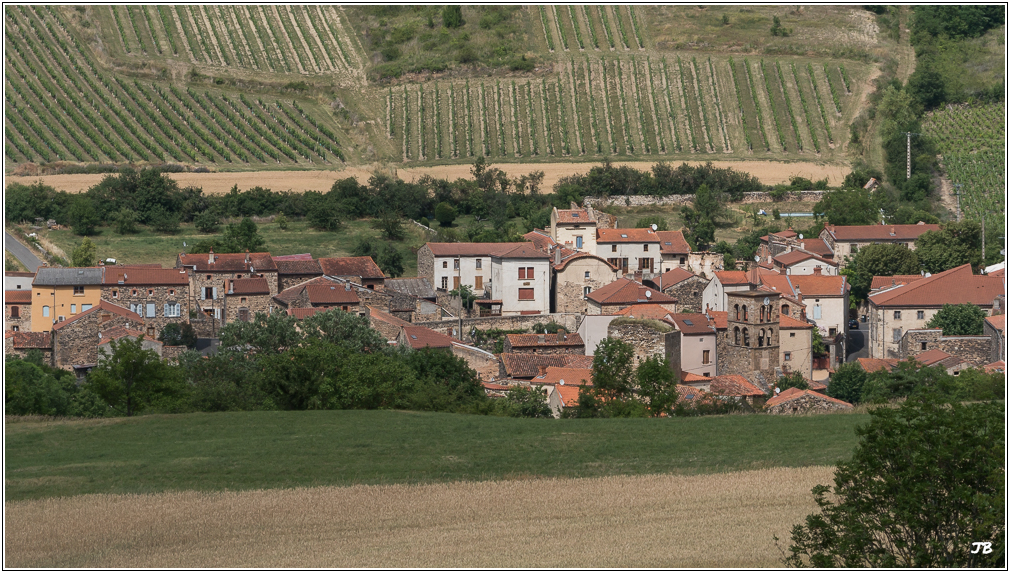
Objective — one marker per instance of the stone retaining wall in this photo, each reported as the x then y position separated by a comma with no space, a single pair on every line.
749,197
450,326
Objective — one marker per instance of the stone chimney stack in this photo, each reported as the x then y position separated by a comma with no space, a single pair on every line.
557,255
347,286
817,271
638,276
541,371
247,256
210,256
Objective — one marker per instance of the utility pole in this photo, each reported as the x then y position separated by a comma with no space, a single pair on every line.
908,156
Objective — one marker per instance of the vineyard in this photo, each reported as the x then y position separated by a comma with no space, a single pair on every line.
972,142
61,106
627,105
306,40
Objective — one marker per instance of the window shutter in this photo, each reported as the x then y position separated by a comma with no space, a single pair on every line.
203,294
214,294
817,311
150,310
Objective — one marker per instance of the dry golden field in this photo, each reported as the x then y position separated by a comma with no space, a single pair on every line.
715,520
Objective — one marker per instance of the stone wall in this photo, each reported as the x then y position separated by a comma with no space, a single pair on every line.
997,350
688,294
976,350
807,404
9,350
234,304
485,363
754,356
750,197
287,281
172,353
648,341
24,319
125,295
77,342
450,326
426,264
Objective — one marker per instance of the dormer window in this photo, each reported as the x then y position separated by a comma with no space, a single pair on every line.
624,236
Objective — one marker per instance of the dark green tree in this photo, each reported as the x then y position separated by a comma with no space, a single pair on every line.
125,221
794,380
926,482
445,214
528,402
391,226
452,16
83,216
847,383
953,245
613,369
207,222
242,237
265,334
163,220
958,320
132,378
647,222
848,207
178,334
347,330
85,254
879,260
657,383
390,261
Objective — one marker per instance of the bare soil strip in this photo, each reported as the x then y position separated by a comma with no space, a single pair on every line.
716,520
768,172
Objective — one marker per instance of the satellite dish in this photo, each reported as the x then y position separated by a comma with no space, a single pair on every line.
801,236
648,294
562,382
654,227
767,301
757,258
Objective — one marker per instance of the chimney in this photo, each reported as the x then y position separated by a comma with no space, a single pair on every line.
557,256
247,256
892,231
562,332
817,271
231,287
210,256
541,371
541,338
347,286
638,276
799,295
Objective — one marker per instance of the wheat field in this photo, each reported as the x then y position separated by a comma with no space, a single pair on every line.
714,520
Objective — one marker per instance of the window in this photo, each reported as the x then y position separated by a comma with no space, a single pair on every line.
85,307
455,282
645,264
150,310
15,312
785,310
705,357
578,242
78,291
896,335
150,331
455,264
526,273
522,273
682,261
832,331
238,276
134,293
761,338
173,309
817,311
242,300
586,291
15,328
115,294
344,308
737,307
243,315
736,335
792,335
479,263
613,248
645,247
150,292
171,291
762,314
745,313
210,277
45,311
746,337
788,356
445,283
73,309
445,264
897,314
526,294
587,275
478,283
920,314
707,374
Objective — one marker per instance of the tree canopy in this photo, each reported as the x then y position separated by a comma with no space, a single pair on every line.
953,245
958,320
879,260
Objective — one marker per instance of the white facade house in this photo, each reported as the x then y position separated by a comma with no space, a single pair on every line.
574,229
714,295
631,250
521,280
449,265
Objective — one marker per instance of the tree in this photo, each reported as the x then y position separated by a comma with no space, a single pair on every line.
282,222
349,331
658,384
926,481
613,369
953,245
178,334
85,254
391,226
466,295
958,320
879,260
132,378
452,16
445,214
528,402
390,261
207,222
163,220
847,383
648,222
794,380
265,334
848,207
243,237
125,221
83,216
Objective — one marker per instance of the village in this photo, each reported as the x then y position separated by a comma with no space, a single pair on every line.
730,335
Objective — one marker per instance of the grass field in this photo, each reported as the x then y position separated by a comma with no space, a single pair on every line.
265,450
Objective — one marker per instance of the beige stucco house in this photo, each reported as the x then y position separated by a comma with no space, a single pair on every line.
630,250
844,241
796,340
697,344
574,229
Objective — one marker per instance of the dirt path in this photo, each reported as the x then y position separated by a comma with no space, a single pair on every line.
716,520
768,172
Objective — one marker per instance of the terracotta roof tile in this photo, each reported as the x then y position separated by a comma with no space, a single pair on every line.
28,340
289,294
817,246
528,365
692,323
570,376
817,386
580,361
873,364
798,256
102,305
331,294
733,385
298,257
421,337
569,395
692,377
653,311
675,276
998,321
569,255
673,243
145,276
689,394
121,332
298,267
256,285
229,262
719,318
954,286
533,340
732,277
18,274
522,251
999,366
880,232
819,286
624,291
470,249
573,216
882,282
540,239
363,267
303,313
626,236
23,296
794,393
790,323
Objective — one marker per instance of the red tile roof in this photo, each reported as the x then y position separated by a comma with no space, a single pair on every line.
540,239
145,276
880,282
303,313
256,285
688,394
580,216
817,246
580,361
793,393
673,243
719,318
376,314
819,286
17,296
623,291
528,365
931,357
733,385
732,277
675,276
997,321
523,251
331,294
654,311
797,256
567,376
998,366
28,340
955,286
228,262
288,295
106,306
790,323
626,236
569,255
854,233
18,274
299,257
121,332
298,267
873,364
816,386
692,323
533,340
363,267
569,395
692,377
421,337
470,249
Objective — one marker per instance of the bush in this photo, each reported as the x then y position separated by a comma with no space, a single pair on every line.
648,222
452,17
178,334
445,214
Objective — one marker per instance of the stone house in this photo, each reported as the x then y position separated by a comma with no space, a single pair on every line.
952,364
560,343
18,310
245,298
21,343
684,286
896,310
574,229
800,262
17,280
62,293
752,348
623,293
291,272
674,250
75,340
521,280
413,299
844,241
207,276
975,350
796,346
418,337
995,329
528,366
713,296
361,270
825,303
648,338
630,250
120,333
775,244
160,295
698,339
542,240
736,387
386,324
322,292
448,265
576,274
796,401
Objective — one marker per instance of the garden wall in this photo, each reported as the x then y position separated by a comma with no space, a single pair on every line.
750,197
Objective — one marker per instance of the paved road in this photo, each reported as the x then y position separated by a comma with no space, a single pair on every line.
21,252
857,344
